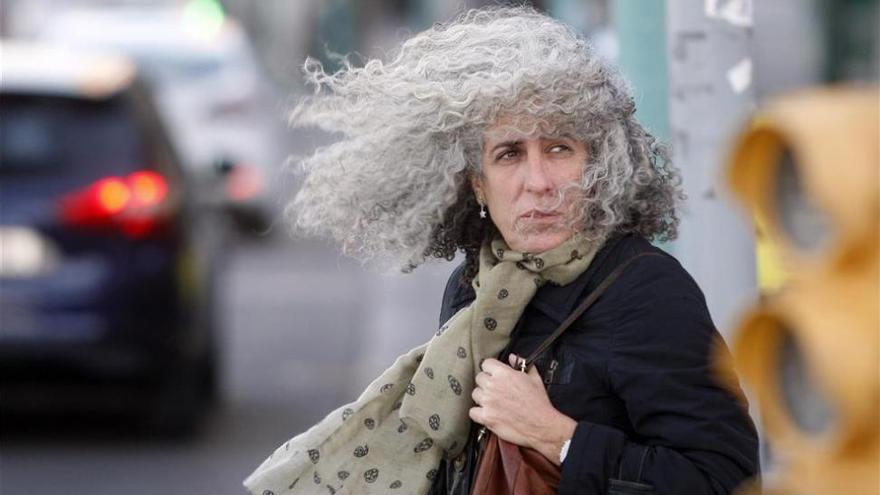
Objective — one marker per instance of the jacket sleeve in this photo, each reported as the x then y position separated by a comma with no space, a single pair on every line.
690,434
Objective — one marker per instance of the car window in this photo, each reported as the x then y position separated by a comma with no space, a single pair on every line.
69,136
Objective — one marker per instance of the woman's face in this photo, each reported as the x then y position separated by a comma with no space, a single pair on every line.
529,186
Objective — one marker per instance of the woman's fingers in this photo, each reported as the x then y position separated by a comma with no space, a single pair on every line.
477,415
477,395
482,379
494,366
512,404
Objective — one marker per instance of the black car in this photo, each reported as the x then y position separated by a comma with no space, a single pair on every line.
108,264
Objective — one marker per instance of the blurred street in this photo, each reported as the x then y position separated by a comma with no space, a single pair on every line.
278,377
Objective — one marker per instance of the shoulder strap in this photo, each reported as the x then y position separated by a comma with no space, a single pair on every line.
584,305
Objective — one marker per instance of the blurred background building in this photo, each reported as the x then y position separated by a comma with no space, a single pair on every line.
296,328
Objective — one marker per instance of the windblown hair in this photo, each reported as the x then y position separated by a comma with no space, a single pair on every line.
395,188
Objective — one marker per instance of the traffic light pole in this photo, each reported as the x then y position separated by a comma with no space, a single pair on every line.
641,33
710,97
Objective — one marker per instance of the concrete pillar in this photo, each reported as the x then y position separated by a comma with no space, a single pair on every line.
711,95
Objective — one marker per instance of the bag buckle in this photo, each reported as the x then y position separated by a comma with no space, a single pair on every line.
481,434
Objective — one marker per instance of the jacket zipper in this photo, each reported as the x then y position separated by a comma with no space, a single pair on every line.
551,371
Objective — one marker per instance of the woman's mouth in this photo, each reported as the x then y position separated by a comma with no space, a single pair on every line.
537,216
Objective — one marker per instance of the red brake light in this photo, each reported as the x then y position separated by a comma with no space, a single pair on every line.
148,188
134,204
112,195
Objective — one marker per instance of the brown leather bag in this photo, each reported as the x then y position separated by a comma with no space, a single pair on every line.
507,469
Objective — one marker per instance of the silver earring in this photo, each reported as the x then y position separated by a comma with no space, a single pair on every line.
482,210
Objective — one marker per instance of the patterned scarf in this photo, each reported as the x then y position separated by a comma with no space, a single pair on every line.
392,438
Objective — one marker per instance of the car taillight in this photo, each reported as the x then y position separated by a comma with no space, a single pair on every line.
134,204
148,189
112,194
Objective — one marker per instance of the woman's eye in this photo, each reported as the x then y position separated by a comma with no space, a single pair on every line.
558,148
506,155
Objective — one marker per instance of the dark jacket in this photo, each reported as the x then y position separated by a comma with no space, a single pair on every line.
635,372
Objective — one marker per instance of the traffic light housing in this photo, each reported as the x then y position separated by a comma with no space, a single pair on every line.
808,169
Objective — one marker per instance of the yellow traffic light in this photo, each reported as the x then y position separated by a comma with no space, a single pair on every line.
809,168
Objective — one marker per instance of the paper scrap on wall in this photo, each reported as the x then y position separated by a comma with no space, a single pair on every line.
736,12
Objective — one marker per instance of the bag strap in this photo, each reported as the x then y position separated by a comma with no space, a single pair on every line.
582,307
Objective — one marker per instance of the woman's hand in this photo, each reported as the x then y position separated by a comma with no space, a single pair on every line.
515,406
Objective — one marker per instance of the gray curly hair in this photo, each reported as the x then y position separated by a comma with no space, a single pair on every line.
394,189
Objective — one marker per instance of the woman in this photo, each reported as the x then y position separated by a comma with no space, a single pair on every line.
503,136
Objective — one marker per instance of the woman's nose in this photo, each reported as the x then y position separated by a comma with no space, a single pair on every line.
537,179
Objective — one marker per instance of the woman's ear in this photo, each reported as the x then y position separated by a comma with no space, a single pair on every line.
477,186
